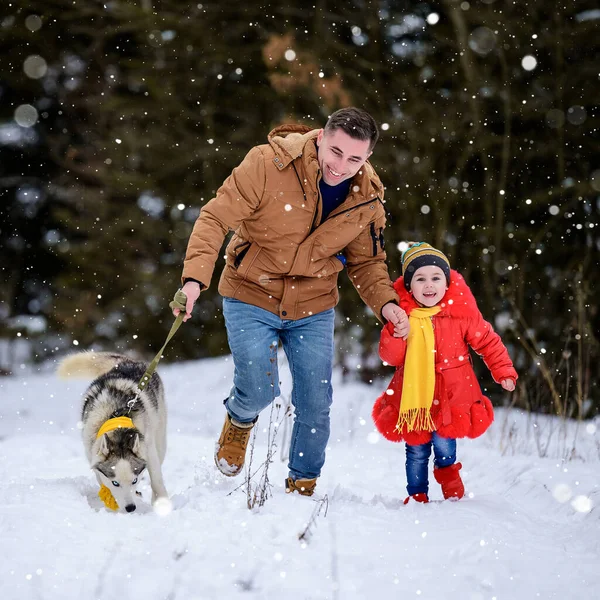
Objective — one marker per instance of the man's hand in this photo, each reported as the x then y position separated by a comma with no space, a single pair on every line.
192,290
508,385
397,317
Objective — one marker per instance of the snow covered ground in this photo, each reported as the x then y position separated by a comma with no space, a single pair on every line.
529,527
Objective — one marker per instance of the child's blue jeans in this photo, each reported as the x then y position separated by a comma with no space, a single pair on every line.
417,461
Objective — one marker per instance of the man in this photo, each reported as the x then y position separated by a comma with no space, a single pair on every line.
302,207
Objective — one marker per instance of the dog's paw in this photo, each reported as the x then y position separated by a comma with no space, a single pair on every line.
162,506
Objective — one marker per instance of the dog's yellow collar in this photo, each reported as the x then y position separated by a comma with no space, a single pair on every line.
115,423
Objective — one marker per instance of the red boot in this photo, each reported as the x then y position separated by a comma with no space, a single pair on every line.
421,497
449,479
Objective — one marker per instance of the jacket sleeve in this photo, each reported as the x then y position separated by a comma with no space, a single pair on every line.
392,350
237,199
481,336
367,268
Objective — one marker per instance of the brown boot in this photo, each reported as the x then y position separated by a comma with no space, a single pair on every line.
305,487
230,452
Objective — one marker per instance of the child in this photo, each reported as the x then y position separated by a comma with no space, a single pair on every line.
434,396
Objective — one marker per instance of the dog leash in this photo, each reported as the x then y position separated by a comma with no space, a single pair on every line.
179,302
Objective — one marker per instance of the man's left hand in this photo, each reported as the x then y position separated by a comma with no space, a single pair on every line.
398,318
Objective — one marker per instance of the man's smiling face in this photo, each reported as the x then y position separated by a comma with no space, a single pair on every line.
340,156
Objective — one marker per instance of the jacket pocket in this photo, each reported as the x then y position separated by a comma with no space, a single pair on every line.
378,241
239,252
245,259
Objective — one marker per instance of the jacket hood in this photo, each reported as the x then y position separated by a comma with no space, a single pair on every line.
458,301
289,141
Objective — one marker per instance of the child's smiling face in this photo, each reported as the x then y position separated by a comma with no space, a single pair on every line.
428,285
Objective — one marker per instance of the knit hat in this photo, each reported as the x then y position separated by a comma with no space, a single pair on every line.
421,254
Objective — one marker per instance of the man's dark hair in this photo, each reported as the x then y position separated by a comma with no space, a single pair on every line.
357,123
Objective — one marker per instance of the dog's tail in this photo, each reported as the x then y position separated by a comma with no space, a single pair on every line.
88,364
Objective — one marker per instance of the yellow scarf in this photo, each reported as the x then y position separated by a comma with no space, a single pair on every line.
419,373
114,423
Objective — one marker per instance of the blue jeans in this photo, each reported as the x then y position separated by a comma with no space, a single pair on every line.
254,334
417,461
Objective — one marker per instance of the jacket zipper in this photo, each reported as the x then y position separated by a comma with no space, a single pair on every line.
354,207
312,227
374,238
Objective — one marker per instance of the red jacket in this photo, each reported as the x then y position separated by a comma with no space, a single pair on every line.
459,408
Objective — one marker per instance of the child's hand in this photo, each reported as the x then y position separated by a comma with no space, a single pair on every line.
508,384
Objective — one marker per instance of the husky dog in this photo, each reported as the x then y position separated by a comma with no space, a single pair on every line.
119,455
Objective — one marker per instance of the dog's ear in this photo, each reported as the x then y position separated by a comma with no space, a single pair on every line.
104,448
135,446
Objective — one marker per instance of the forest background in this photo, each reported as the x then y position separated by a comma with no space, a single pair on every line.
120,119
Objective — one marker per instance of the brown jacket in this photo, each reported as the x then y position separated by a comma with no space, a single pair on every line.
281,257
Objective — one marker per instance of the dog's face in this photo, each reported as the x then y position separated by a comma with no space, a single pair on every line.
120,463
